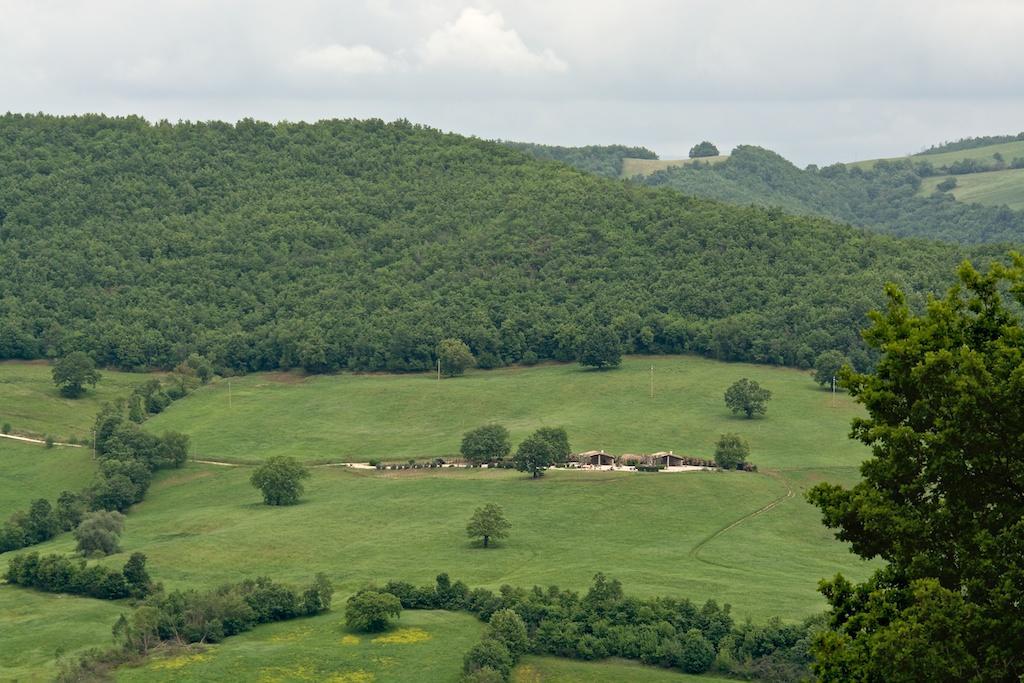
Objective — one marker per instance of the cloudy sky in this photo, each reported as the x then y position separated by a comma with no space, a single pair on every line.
817,81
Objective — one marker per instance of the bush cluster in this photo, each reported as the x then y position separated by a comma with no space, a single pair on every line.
61,574
668,632
128,457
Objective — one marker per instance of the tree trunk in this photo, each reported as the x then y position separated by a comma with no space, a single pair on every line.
486,539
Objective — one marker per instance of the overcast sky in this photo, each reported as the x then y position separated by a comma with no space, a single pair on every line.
816,81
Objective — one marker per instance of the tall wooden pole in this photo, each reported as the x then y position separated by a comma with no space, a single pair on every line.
652,381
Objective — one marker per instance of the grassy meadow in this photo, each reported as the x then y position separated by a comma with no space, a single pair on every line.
557,670
1009,150
747,539
33,406
31,471
423,646
994,188
350,417
633,167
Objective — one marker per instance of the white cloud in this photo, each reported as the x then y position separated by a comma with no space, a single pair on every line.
479,41
346,60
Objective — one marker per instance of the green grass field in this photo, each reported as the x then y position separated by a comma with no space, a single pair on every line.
633,167
1009,150
33,406
995,188
33,471
747,539
556,670
36,629
424,646
349,417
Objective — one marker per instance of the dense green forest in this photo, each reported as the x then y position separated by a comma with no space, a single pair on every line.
360,244
883,198
602,160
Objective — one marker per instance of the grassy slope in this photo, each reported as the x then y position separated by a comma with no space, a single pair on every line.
36,628
425,646
1009,150
356,417
205,525
632,167
556,670
32,405
994,188
31,471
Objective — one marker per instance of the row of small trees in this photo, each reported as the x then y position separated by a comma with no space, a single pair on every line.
61,574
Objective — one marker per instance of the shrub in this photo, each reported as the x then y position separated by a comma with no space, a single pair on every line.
49,441
371,611
6,429
280,480
696,654
488,654
99,532
508,628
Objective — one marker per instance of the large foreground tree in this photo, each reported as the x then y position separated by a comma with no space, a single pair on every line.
942,497
73,372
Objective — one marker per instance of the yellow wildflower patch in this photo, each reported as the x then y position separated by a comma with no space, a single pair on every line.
350,640
179,661
403,636
359,676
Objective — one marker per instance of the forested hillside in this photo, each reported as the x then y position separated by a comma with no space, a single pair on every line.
884,197
361,244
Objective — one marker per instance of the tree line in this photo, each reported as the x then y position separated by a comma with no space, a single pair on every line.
362,245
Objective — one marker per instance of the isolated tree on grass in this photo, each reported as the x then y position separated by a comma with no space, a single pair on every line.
488,522
827,366
280,480
455,357
703,149
731,451
747,397
371,611
73,371
489,443
941,499
599,348
542,449
99,533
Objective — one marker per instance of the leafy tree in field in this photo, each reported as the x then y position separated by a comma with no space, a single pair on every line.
558,439
280,480
747,397
71,507
488,654
136,575
703,149
99,533
827,366
599,348
371,611
941,500
488,522
455,357
946,185
542,449
73,371
731,451
41,524
489,443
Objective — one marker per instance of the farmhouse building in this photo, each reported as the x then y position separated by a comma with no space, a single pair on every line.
596,458
667,459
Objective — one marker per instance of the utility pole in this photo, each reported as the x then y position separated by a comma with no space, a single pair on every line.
438,369
833,391
652,381
229,393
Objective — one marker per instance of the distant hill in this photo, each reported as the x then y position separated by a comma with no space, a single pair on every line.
635,167
896,196
360,244
971,143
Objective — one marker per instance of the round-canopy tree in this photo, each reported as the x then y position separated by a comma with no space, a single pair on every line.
827,366
731,451
280,480
488,522
73,371
747,397
454,356
489,443
703,149
599,348
371,610
542,449
99,533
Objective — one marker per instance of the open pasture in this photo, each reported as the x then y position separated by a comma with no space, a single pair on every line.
348,417
633,167
31,471
33,406
1009,150
995,188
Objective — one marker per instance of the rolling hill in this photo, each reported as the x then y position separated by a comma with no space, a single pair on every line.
360,244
